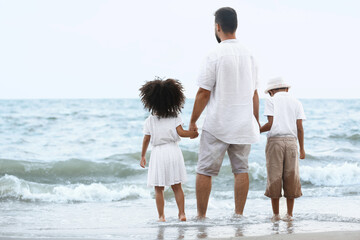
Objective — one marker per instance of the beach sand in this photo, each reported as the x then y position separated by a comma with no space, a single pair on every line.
349,235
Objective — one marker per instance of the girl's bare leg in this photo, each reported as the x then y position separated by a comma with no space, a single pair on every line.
159,197
180,200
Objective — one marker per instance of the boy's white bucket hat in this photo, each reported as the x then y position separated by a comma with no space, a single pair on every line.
275,83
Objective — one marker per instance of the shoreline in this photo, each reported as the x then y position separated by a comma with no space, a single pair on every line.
333,235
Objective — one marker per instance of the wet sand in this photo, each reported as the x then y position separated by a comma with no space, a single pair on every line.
349,235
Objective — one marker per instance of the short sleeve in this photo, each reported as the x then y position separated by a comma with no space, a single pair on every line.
178,121
255,73
300,112
269,107
207,77
146,129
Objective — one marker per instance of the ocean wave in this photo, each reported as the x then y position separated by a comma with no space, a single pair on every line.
351,137
331,174
117,168
73,170
344,174
12,187
257,172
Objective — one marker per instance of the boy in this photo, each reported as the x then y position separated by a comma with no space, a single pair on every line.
285,115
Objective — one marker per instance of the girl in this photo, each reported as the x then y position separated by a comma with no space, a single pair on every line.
164,100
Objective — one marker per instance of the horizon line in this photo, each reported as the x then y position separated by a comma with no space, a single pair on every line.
134,98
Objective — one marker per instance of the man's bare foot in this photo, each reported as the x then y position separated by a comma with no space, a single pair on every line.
287,218
161,219
182,217
275,218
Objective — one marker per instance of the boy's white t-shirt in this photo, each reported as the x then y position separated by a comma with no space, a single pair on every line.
286,110
230,73
162,130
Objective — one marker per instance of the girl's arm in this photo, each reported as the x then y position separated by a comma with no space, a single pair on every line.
268,125
300,134
145,145
185,133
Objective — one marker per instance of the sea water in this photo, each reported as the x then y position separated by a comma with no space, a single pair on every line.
70,168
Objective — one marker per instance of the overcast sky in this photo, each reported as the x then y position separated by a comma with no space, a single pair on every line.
107,49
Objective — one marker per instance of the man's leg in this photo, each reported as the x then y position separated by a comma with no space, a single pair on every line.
203,189
238,154
241,188
211,155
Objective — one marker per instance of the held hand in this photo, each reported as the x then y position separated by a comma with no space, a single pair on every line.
302,153
194,134
193,127
143,162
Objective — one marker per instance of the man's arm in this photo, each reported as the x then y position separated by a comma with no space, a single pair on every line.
201,100
300,134
256,106
268,125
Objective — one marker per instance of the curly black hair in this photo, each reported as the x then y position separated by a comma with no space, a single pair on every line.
163,98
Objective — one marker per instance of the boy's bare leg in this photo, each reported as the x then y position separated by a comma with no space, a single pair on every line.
241,189
290,206
203,189
180,200
159,197
275,207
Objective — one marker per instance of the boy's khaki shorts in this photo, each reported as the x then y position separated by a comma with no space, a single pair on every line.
282,166
212,152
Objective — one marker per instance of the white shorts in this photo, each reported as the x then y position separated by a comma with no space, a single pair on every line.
212,152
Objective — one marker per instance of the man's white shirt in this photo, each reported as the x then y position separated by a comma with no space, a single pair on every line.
230,73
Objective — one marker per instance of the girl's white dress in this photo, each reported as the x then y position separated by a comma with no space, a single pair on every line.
166,165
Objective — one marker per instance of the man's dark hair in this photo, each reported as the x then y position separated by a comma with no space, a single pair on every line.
227,19
163,98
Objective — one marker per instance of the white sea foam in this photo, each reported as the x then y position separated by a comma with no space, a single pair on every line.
13,187
331,174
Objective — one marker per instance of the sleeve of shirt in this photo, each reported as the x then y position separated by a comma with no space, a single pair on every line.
301,113
146,129
255,73
269,107
178,121
207,77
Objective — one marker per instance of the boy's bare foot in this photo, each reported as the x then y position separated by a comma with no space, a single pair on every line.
235,215
287,218
182,217
198,218
275,218
161,219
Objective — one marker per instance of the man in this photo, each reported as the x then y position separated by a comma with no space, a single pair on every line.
227,86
